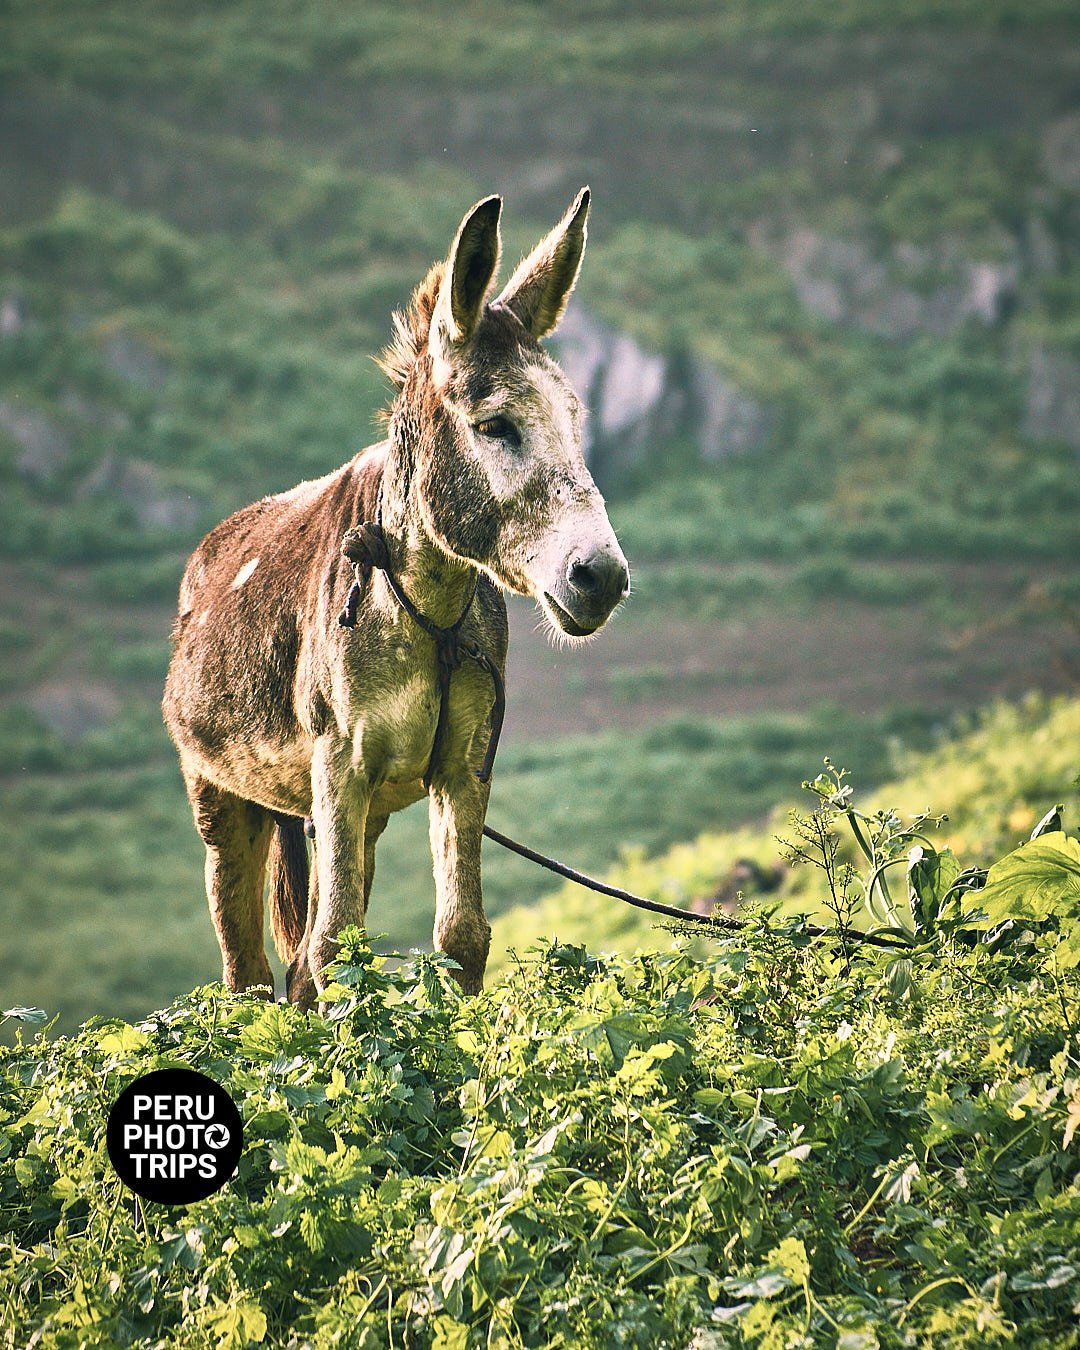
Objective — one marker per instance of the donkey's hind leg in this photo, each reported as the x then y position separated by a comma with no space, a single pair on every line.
237,837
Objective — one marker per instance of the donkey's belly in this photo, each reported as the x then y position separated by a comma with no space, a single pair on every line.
273,775
394,731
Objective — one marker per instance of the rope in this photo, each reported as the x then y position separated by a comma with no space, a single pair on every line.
725,923
365,547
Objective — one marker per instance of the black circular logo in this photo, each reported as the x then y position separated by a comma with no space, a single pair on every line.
174,1136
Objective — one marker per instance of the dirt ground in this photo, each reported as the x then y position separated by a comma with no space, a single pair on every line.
977,636
972,635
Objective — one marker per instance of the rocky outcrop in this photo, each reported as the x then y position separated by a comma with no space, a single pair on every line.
1061,151
13,315
1052,398
43,446
726,420
638,400
71,709
44,449
907,291
134,360
141,486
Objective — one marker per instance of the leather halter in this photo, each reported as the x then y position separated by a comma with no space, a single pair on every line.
365,547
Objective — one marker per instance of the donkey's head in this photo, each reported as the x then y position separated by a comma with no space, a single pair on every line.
493,429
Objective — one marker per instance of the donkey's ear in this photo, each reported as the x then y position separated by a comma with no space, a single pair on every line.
538,291
474,256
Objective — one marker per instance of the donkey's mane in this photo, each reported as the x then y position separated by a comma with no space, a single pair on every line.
411,329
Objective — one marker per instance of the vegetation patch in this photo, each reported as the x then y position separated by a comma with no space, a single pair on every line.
999,772
776,1145
775,1137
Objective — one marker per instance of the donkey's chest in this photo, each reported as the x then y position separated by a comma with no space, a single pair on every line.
393,733
394,720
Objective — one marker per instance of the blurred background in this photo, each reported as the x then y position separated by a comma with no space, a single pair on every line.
828,329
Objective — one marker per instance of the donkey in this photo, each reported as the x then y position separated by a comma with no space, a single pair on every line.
281,711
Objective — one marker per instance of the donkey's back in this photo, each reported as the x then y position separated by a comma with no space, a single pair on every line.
243,697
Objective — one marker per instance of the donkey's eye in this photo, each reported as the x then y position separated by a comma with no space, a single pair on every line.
499,429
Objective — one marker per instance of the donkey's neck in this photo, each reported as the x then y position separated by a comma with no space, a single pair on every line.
440,586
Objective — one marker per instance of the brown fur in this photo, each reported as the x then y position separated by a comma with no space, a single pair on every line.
397,360
288,887
278,713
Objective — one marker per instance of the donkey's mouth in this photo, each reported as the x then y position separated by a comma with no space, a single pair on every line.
566,621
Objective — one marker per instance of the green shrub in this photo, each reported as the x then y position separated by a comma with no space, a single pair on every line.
650,1151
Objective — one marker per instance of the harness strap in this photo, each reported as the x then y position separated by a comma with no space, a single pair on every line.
365,547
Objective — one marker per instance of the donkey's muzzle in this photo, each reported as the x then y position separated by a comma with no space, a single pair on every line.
593,585
599,581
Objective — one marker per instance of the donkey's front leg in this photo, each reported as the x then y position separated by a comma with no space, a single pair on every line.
340,799
457,811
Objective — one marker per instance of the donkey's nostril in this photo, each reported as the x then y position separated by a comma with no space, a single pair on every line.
585,577
600,579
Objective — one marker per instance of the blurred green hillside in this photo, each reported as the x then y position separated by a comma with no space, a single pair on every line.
993,780
845,235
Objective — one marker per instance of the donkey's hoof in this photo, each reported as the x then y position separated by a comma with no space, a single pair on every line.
300,988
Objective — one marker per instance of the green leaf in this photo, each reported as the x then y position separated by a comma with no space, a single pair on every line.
790,1257
1039,880
122,1041
26,1170
930,875
265,1123
1050,823
450,1334
857,1338
237,1325
898,976
252,1322
767,1284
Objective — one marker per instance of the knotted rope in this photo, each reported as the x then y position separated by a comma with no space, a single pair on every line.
365,547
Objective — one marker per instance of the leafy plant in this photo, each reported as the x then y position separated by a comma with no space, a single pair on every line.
1037,884
757,1146
884,841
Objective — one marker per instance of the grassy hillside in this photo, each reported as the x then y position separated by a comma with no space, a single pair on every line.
994,781
105,888
260,45
617,805
203,286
